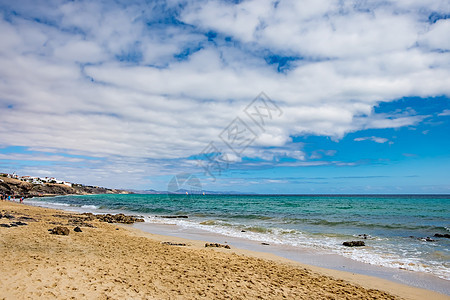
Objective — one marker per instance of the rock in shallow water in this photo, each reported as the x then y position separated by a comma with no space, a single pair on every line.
354,244
445,235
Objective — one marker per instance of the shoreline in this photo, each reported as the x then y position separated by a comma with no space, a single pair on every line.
306,254
366,281
39,249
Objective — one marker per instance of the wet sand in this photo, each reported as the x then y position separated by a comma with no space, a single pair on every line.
119,262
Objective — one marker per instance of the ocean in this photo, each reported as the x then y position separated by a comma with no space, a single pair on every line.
396,227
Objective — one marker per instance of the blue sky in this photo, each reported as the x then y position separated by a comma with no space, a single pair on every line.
128,94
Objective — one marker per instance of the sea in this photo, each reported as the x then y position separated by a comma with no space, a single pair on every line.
398,230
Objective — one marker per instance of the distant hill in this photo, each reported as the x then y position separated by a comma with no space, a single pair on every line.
17,187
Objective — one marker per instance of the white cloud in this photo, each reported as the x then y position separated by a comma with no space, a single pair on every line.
435,38
375,139
110,81
445,112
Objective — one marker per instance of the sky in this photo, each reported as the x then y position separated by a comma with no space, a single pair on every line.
310,96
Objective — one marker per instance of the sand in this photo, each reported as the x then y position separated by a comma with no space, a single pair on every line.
119,262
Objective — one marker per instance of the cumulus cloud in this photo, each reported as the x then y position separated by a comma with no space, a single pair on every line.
155,83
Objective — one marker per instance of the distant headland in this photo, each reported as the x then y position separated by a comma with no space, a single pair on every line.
28,186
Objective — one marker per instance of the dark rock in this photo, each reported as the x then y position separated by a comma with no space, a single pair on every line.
173,244
20,223
27,219
364,236
77,229
445,235
5,225
354,244
243,231
8,216
265,244
426,239
60,230
217,245
13,225
174,217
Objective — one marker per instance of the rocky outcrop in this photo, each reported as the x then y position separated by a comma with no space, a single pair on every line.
216,245
119,218
60,230
16,187
354,244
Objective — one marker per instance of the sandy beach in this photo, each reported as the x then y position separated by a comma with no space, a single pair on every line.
109,261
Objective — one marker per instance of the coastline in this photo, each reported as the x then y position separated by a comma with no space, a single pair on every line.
391,252
304,256
106,262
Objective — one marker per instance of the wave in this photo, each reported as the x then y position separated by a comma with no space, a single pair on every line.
364,224
89,206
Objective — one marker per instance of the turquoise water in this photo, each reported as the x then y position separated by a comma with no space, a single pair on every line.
395,225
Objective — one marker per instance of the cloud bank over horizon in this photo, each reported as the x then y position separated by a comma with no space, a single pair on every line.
137,89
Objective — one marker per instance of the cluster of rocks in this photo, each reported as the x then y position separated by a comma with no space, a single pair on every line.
216,245
354,244
118,218
16,223
13,224
75,220
62,230
6,216
428,239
